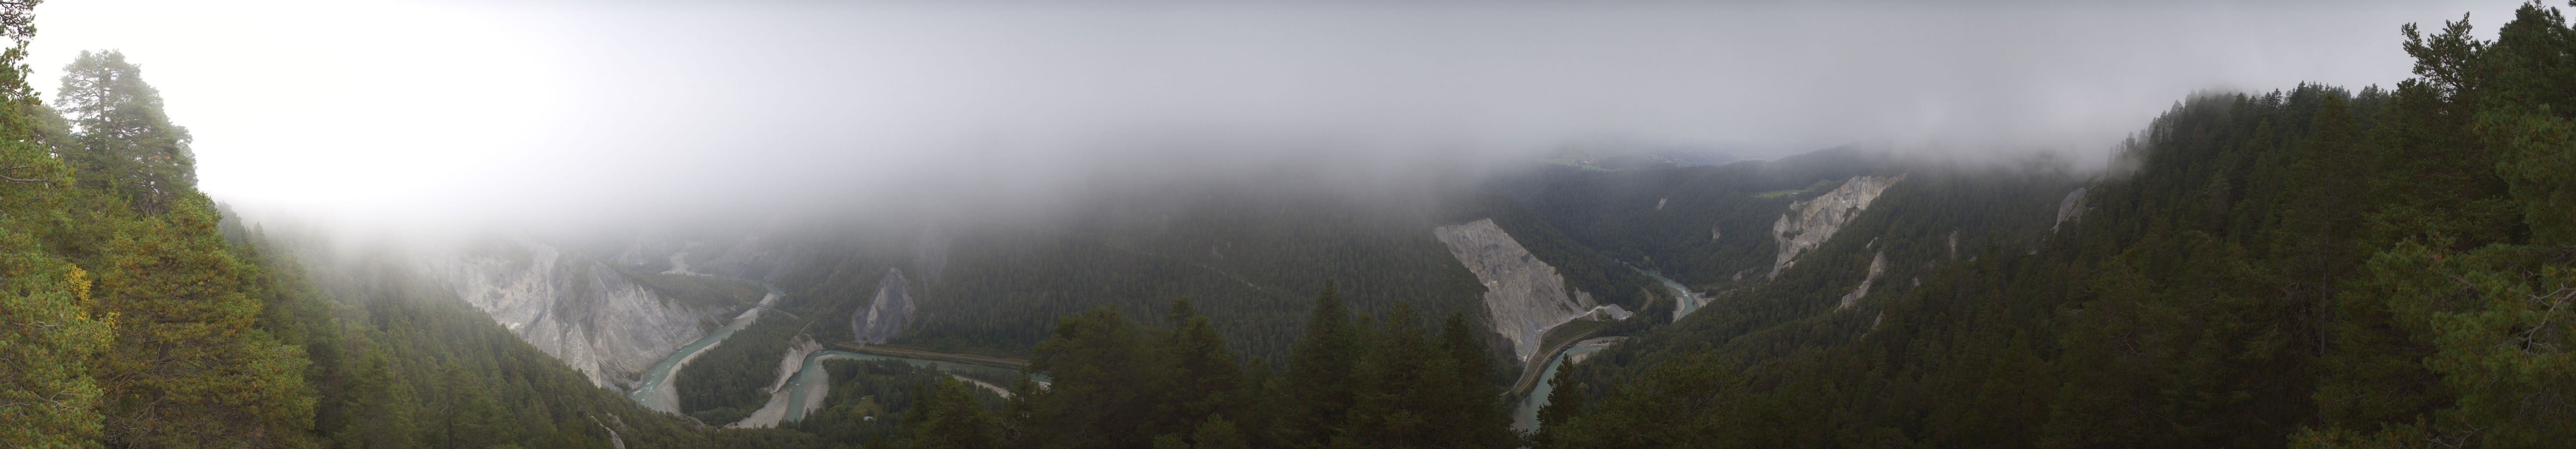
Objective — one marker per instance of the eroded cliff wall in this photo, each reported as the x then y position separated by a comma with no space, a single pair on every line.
887,313
575,308
1524,296
1810,223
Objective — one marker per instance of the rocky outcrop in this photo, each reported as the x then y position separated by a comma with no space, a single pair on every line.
2070,208
1810,223
1524,297
577,309
887,314
1877,266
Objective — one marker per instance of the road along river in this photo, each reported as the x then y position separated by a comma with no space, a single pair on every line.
656,391
804,391
1525,412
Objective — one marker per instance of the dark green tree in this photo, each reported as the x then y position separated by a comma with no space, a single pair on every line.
945,416
1322,377
125,143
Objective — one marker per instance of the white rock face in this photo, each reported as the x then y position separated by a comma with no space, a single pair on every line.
2070,208
1524,296
576,309
1877,266
887,314
1809,223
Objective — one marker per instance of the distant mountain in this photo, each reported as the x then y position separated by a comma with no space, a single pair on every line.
1629,155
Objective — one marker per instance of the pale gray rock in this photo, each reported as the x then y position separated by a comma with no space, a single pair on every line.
1524,297
1877,266
2071,208
577,309
887,314
1810,223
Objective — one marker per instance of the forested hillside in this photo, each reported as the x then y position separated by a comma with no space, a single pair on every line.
1242,251
139,316
2312,267
1700,225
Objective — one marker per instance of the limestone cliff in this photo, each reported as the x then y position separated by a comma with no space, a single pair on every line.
575,308
887,313
1877,266
2070,208
1810,223
1524,297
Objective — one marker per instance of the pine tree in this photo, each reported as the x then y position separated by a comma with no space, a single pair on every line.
1321,379
125,144
1204,379
1101,365
48,391
189,367
1564,402
1480,417
945,416
47,395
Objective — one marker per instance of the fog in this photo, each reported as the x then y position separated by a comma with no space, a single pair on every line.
405,114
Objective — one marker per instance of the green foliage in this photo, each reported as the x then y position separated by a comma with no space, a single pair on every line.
1661,217
51,395
1349,385
946,416
1245,255
2315,267
126,144
869,400
399,361
731,379
1242,254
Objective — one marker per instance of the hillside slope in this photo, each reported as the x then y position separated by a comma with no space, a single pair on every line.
2312,267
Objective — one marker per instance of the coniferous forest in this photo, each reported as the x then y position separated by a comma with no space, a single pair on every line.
2317,266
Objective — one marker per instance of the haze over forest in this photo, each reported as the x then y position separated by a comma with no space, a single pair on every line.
510,113
1289,225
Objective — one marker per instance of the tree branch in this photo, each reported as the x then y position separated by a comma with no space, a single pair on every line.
21,167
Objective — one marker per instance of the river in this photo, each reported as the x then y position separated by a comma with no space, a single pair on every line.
809,383
1684,301
812,383
656,391
1525,412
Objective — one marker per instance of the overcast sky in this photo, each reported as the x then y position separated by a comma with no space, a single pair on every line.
405,110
